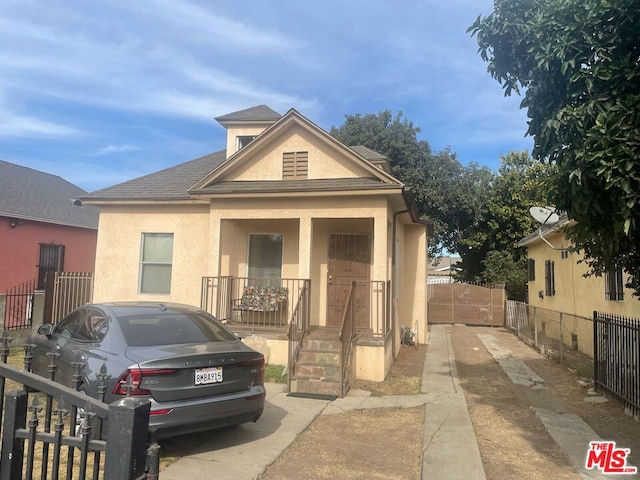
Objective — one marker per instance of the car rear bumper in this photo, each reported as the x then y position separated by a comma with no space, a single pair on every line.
197,415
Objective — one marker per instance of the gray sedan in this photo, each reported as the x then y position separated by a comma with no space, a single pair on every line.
197,374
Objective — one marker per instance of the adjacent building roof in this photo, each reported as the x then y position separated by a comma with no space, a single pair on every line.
543,230
261,113
378,159
29,194
367,153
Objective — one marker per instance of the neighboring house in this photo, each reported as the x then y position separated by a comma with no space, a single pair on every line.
273,229
557,281
442,269
43,227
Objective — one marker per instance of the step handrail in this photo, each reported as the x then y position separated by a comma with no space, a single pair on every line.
347,333
298,328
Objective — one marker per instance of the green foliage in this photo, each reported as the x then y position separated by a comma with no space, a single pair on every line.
504,218
578,62
500,267
474,210
275,374
446,191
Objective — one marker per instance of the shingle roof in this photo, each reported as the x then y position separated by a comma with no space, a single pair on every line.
367,153
284,186
34,195
168,184
258,113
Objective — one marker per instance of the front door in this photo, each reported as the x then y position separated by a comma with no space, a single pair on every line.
349,261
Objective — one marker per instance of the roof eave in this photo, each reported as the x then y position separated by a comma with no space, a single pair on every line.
48,220
139,201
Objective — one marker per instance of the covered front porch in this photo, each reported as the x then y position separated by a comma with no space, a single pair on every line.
269,305
318,265
279,309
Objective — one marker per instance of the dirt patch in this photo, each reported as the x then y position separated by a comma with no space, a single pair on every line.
361,444
364,444
405,376
513,441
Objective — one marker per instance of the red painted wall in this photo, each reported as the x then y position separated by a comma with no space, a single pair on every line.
20,249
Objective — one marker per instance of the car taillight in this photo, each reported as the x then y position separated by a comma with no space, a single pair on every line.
136,375
257,365
162,411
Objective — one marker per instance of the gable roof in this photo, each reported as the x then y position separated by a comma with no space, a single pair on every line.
169,184
260,113
288,119
38,196
203,176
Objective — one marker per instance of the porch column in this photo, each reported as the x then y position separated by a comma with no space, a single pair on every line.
380,247
214,244
304,247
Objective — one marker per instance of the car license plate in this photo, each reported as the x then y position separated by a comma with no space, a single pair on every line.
205,376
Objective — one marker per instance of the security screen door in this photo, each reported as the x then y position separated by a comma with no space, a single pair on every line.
349,261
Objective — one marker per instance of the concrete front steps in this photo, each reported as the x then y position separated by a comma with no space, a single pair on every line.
317,371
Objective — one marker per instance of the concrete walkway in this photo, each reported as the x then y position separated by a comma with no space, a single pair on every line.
450,447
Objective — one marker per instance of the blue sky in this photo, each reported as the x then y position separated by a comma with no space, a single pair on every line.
102,92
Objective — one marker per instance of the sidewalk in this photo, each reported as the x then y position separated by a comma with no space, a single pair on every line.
450,448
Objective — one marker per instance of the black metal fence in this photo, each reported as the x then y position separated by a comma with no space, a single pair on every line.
50,431
19,306
616,352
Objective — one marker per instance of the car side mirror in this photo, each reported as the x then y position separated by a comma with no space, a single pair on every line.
45,329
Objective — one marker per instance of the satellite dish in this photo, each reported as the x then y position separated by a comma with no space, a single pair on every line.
544,215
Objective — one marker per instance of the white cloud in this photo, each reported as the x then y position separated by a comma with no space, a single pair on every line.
151,57
198,25
109,149
12,125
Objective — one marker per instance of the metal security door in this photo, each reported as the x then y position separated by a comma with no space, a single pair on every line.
349,261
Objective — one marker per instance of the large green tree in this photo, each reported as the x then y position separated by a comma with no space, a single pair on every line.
578,65
521,182
445,190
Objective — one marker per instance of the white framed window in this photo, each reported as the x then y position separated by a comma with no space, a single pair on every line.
156,262
244,140
265,255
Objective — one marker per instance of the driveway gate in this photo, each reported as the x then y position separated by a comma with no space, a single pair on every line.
465,303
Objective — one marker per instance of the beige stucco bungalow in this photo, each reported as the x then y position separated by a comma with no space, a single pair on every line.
286,233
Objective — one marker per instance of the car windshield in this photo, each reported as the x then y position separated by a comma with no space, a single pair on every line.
168,328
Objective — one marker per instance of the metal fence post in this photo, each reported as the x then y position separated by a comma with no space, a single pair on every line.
561,339
596,350
127,439
535,327
15,417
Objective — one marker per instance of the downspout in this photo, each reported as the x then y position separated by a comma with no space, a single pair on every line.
393,277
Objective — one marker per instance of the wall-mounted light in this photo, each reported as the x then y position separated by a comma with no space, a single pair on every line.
13,224
541,294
